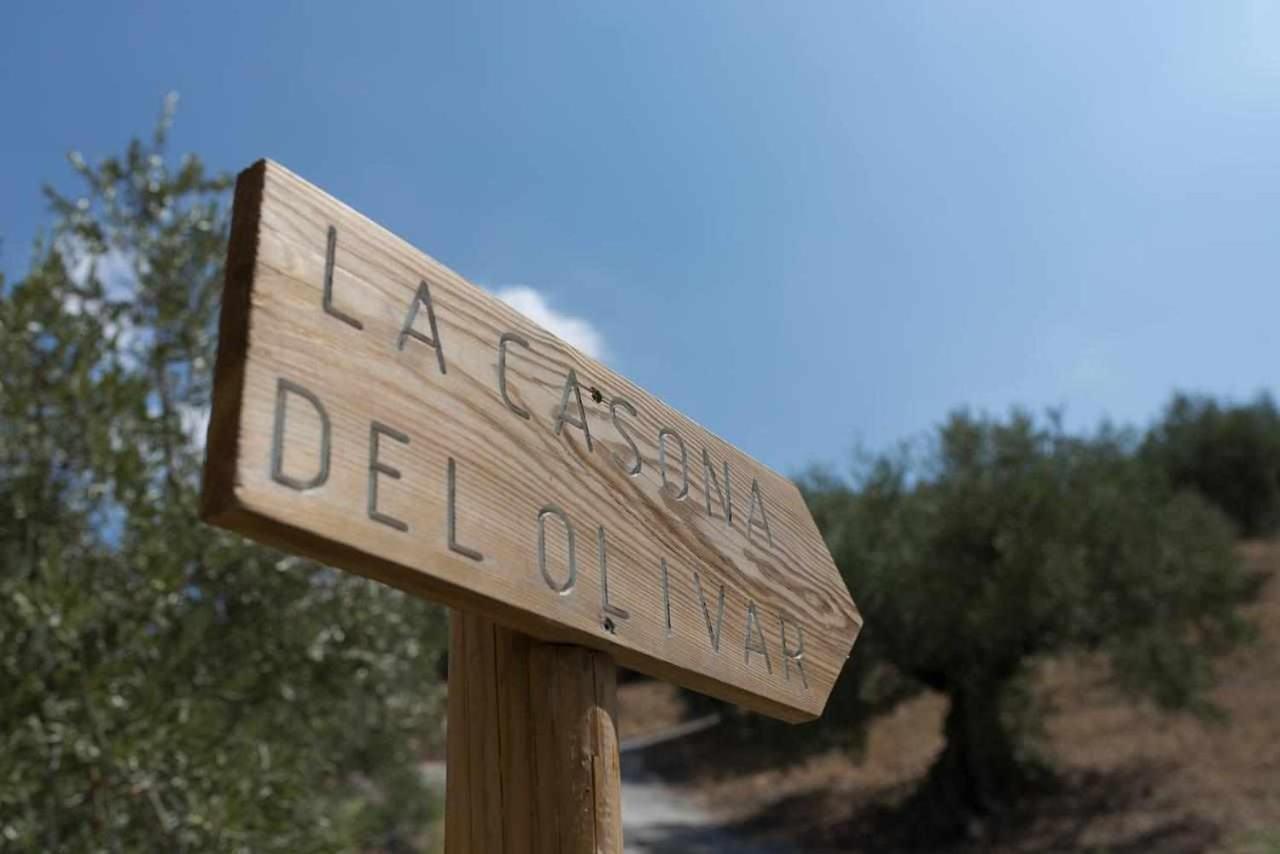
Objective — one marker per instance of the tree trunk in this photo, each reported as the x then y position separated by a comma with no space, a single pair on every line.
978,771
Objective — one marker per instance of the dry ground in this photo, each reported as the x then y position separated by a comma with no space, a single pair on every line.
1132,779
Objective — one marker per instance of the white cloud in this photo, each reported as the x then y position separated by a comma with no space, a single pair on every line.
117,271
576,331
195,422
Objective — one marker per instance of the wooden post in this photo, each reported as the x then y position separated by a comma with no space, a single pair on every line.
532,745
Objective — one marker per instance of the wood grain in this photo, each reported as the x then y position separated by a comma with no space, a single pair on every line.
533,745
377,385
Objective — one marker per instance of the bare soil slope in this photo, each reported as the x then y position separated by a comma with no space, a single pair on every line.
1133,779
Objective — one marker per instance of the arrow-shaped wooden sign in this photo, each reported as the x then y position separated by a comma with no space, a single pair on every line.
377,412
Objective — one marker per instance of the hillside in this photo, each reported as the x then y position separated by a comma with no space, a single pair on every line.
1132,779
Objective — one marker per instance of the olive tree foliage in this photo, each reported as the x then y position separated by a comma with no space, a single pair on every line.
1010,540
163,685
1229,453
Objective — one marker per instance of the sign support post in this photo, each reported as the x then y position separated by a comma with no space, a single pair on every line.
533,745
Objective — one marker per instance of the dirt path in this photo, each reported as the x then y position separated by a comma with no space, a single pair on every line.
659,819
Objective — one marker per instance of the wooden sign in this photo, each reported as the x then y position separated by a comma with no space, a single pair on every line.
375,411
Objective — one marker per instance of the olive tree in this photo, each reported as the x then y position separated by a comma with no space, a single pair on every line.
1009,540
1228,452
165,686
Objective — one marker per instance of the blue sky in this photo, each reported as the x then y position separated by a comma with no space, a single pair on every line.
806,225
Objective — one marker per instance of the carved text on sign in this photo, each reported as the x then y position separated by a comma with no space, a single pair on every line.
572,412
